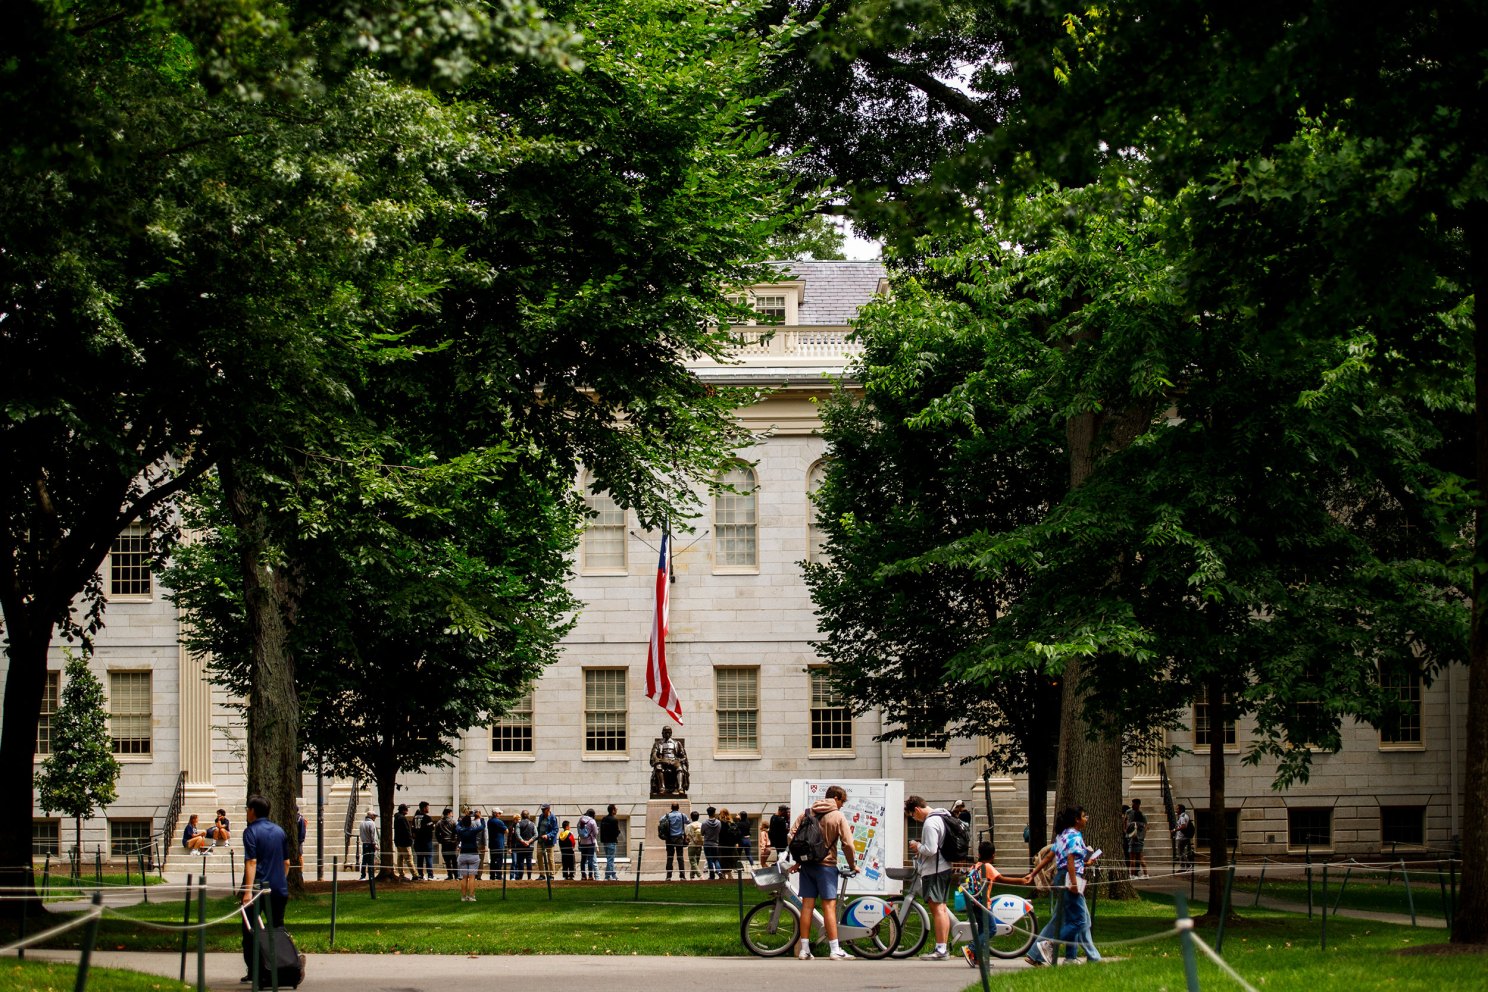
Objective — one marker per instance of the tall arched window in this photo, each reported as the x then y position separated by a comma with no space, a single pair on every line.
816,538
603,547
736,522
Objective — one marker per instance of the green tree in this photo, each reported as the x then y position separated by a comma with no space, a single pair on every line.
815,237
78,775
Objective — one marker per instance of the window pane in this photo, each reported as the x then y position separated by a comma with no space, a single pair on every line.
45,837
771,309
129,712
831,721
511,733
604,710
1403,825
129,563
1310,827
1405,727
128,836
50,694
738,709
604,535
1204,825
1203,732
735,517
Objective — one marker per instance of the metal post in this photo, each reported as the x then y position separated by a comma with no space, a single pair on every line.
1185,935
1224,908
640,852
185,927
335,887
46,876
372,880
319,819
90,936
98,865
144,881
1342,888
1410,900
255,924
1452,906
201,933
1441,881
25,909
1323,908
1309,879
739,877
232,864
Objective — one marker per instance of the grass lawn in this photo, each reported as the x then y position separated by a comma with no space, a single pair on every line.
1269,949
1363,891
43,976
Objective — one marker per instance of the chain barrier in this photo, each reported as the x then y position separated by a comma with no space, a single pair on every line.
33,939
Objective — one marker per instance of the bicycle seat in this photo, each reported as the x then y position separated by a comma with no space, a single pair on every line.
900,874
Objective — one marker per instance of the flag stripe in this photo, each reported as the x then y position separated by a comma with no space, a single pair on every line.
658,683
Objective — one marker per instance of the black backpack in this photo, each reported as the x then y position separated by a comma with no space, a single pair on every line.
809,845
955,842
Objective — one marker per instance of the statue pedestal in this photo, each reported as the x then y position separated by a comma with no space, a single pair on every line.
655,810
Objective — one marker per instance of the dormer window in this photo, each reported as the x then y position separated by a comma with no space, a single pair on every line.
771,309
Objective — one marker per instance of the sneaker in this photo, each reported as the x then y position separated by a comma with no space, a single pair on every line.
1046,950
1032,963
969,955
839,955
804,954
940,955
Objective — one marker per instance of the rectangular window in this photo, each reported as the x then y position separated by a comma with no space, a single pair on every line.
1204,825
46,838
1204,733
771,309
1404,726
604,711
1309,826
130,713
604,535
736,517
738,710
1403,825
831,720
51,693
511,733
127,837
923,745
129,563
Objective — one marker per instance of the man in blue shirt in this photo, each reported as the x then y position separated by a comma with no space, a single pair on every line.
496,834
265,860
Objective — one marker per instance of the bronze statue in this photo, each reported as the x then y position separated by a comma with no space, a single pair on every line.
669,775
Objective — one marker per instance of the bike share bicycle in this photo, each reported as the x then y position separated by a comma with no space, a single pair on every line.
865,927
1014,922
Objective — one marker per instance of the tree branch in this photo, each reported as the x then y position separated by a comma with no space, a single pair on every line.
943,94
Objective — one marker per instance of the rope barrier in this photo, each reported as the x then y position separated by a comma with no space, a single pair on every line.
45,935
175,927
1223,965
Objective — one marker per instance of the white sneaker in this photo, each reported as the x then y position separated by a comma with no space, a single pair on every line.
940,955
839,955
804,954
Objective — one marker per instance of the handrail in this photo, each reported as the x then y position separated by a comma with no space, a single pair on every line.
172,817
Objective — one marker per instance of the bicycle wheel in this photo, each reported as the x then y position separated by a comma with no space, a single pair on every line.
769,933
1013,939
914,928
881,938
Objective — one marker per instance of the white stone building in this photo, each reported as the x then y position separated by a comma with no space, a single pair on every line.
756,712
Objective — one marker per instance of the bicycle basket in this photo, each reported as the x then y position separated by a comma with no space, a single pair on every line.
769,876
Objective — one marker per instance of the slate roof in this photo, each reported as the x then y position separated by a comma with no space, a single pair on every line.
835,291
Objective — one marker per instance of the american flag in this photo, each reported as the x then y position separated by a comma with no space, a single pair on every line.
658,683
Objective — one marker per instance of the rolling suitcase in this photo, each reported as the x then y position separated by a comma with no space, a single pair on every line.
277,954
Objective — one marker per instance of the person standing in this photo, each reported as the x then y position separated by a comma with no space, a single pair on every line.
710,827
496,840
1183,838
819,880
300,827
523,837
674,830
1136,835
588,831
1071,854
694,844
265,861
777,832
368,835
745,828
469,833
402,841
547,839
567,843
449,843
609,839
423,843
728,843
934,869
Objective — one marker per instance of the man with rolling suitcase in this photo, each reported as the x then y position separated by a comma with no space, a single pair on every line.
266,861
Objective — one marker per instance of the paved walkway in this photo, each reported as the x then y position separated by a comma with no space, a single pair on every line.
441,973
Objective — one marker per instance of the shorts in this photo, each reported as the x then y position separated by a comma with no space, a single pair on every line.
468,865
818,881
1137,844
937,887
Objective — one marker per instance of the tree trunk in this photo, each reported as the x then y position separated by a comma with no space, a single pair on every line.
1090,771
1219,831
1038,798
273,701
25,680
1471,925
386,774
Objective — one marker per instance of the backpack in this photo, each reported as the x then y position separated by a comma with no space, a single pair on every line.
955,842
809,845
662,833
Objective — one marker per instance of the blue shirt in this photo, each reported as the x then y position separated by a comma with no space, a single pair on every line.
496,827
470,837
264,843
1070,852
